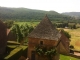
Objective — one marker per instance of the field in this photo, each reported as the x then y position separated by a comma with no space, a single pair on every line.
29,23
75,37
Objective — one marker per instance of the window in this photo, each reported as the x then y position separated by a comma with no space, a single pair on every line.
41,42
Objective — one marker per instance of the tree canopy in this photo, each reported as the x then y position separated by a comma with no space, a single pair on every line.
24,14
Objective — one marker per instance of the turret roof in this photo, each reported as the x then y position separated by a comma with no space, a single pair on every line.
45,30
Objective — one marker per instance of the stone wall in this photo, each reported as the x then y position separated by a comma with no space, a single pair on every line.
32,42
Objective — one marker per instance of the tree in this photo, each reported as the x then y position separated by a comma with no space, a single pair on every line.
15,29
9,23
74,26
71,47
24,30
31,28
21,31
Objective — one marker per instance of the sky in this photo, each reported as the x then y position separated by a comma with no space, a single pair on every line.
47,5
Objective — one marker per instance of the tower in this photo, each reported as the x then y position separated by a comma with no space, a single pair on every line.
44,35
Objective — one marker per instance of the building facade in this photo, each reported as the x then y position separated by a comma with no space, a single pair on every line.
42,39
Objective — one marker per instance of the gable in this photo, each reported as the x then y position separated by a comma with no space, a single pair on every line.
65,41
62,49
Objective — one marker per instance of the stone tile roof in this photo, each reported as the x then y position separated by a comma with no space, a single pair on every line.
45,30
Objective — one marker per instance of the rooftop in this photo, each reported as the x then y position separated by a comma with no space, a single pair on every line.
45,30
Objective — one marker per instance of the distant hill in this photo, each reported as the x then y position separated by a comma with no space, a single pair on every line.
73,14
24,14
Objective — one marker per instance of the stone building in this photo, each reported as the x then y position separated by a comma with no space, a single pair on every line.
64,44
3,39
45,34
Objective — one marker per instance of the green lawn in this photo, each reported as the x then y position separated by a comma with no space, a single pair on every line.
62,57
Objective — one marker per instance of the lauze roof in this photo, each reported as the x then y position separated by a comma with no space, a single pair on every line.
45,30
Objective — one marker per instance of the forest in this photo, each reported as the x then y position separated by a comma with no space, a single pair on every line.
24,14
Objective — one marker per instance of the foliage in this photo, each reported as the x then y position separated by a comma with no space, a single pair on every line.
15,29
9,23
61,25
31,29
24,14
49,52
71,46
72,25
24,30
66,25
21,31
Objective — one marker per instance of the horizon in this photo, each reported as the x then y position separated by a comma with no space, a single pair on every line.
59,6
38,9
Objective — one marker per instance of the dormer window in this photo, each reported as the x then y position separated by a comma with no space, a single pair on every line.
41,42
